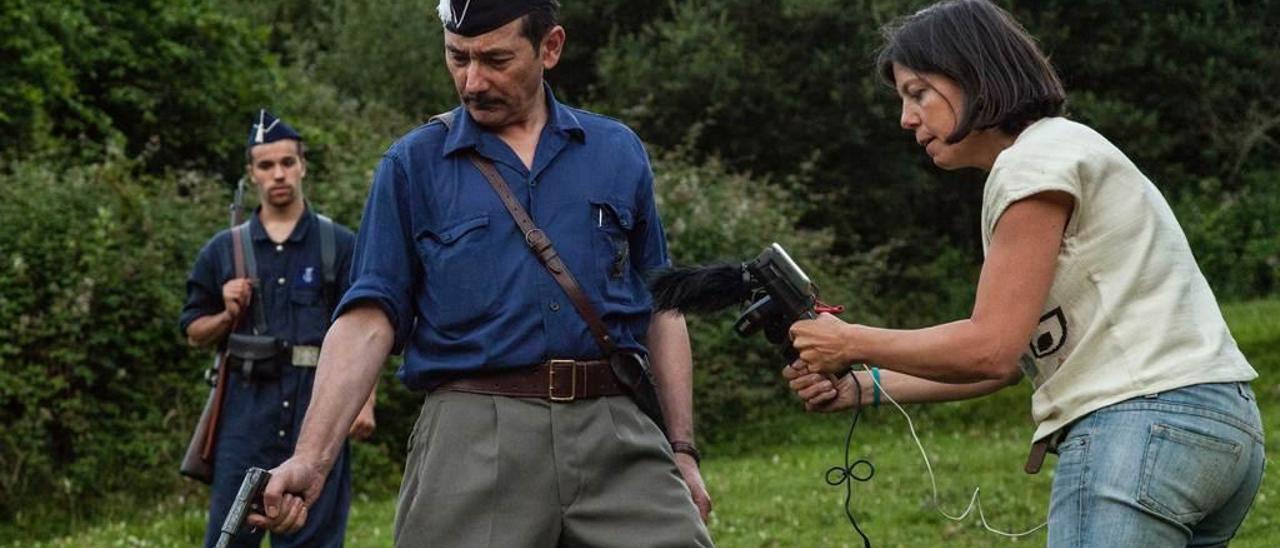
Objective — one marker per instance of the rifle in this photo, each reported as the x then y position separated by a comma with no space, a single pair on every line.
197,462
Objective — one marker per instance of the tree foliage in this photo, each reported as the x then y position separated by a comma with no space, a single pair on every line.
172,77
773,86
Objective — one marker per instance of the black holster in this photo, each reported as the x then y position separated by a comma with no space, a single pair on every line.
632,371
257,357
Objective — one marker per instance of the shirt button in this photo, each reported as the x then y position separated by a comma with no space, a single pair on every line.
280,281
286,404
555,306
279,248
281,433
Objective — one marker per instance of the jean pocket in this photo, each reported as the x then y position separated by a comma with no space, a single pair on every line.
1183,472
1072,444
1246,391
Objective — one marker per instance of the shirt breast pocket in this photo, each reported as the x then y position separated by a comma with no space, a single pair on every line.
310,315
458,263
612,224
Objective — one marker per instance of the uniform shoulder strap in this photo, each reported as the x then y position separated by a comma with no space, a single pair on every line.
328,256
445,118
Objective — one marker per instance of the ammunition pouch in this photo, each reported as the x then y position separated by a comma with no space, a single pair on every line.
257,357
632,371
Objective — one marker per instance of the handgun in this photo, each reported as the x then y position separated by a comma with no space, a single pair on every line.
248,500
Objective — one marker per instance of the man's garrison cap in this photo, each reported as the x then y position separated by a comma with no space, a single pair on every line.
269,129
476,17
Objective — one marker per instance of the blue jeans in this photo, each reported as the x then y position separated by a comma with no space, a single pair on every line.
1178,468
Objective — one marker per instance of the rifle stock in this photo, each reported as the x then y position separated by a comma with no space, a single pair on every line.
197,462
194,465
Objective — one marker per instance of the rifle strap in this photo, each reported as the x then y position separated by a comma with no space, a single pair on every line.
540,245
237,248
242,259
243,242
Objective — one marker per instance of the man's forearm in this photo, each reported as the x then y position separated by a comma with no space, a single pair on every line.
207,330
672,362
353,353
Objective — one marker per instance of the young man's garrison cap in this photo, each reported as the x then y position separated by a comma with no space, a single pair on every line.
269,129
476,17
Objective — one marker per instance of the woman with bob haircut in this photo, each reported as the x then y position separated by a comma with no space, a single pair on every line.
1088,288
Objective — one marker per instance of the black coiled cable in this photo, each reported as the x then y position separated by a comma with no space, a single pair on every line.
847,474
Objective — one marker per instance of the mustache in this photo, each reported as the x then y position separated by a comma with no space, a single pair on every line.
482,101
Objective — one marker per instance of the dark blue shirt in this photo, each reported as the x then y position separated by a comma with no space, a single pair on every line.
290,279
442,257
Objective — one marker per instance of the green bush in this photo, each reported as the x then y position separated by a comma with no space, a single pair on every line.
1234,236
713,215
96,385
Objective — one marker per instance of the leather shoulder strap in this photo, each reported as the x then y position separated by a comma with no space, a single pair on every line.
540,244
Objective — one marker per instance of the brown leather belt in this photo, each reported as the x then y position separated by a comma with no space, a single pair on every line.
555,380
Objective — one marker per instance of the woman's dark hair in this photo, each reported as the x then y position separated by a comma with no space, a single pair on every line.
539,22
1007,81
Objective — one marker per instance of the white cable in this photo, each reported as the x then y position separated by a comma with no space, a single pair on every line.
974,501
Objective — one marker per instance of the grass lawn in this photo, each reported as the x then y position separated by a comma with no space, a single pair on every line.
767,479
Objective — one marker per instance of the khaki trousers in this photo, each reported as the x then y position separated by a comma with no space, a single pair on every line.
495,471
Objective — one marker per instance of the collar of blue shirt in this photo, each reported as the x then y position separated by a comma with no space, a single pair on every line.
259,233
466,133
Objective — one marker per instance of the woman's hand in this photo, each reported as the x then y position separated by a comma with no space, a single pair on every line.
824,344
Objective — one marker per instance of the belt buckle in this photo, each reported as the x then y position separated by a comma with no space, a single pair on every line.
305,356
551,380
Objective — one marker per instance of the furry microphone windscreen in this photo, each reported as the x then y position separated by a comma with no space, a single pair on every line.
699,289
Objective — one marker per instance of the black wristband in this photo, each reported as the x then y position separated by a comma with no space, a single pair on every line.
688,448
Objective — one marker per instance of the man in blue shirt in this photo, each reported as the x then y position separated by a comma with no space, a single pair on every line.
286,297
525,438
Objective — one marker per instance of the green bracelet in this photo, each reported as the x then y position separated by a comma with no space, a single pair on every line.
875,387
